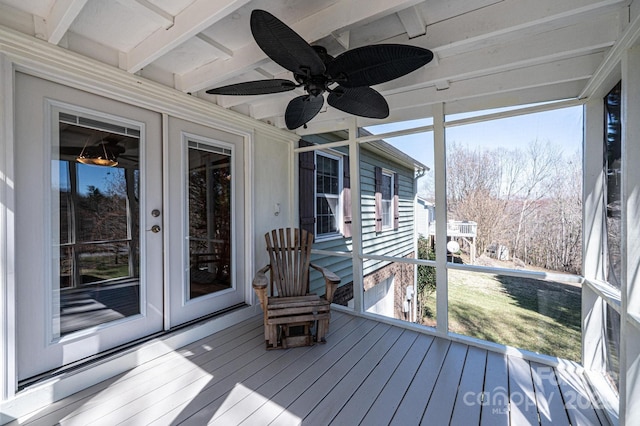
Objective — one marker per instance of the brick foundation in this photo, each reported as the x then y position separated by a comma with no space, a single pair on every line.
404,276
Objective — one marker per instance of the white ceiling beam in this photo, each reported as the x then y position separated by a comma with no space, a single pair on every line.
197,17
61,16
338,17
150,11
342,38
412,22
221,51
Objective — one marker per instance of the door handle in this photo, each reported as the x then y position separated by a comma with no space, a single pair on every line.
155,229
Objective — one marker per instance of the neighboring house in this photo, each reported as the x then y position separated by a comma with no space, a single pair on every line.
388,189
425,212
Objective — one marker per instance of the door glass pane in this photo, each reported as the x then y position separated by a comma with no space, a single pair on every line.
209,219
95,182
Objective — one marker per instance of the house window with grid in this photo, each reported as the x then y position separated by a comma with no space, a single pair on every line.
327,194
386,199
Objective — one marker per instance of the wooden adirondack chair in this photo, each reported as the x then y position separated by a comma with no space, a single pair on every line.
291,315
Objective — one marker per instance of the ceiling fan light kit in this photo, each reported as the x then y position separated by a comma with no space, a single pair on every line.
346,78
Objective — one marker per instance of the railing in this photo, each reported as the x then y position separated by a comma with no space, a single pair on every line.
457,228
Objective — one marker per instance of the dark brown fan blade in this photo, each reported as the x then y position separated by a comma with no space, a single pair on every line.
284,45
258,87
377,63
362,101
302,109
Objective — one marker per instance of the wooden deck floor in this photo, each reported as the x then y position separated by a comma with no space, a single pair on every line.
367,373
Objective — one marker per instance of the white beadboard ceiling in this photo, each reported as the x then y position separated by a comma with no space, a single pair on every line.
488,53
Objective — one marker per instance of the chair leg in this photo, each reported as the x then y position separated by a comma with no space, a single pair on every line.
322,329
271,336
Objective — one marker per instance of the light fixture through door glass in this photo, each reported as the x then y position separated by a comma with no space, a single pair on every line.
103,154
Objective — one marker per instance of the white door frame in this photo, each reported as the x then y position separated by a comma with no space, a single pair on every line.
179,309
39,347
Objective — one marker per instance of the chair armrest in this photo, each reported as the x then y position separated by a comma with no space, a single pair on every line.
260,279
260,284
331,281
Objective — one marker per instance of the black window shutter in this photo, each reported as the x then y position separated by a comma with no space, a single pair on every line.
306,191
346,197
378,198
396,202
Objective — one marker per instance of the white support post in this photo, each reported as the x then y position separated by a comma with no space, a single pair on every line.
593,265
7,235
630,291
439,152
356,218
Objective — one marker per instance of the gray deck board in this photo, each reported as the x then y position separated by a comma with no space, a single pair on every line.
495,395
466,409
357,406
577,399
522,398
412,406
391,396
440,406
548,397
324,411
367,373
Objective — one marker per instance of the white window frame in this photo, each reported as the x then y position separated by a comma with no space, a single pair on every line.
338,210
387,208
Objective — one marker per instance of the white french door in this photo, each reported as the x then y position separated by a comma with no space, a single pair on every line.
119,236
89,247
205,220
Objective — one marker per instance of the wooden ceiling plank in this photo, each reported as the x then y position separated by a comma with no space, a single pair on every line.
150,11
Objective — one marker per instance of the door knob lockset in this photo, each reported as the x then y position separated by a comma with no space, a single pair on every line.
155,229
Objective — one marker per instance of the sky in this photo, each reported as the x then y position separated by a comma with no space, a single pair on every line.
561,127
87,176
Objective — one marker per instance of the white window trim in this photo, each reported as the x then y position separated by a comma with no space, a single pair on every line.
338,233
389,226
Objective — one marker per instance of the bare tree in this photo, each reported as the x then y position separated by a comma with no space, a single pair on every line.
529,200
537,177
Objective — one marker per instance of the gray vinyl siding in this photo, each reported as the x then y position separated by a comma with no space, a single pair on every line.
389,242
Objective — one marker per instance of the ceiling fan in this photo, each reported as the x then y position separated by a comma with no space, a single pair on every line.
346,77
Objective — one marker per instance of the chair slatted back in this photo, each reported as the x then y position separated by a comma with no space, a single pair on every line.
289,254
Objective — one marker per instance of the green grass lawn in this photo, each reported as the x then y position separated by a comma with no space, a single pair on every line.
539,316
